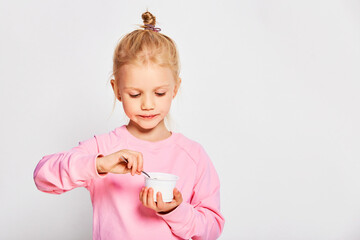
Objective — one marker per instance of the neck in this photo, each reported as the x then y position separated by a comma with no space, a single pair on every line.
158,133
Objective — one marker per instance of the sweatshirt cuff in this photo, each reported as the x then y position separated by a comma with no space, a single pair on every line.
97,174
180,214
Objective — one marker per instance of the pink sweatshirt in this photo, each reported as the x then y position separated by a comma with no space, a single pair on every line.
117,210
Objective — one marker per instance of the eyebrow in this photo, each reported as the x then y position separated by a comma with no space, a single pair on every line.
132,88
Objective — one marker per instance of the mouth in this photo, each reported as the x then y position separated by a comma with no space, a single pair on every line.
148,116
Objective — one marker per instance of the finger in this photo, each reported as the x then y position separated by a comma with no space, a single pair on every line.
123,160
144,197
136,162
131,163
141,193
150,199
126,157
160,202
177,195
134,167
140,163
175,191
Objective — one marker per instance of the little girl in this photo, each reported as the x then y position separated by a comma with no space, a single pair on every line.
146,80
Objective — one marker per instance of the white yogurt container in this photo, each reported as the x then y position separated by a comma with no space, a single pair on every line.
162,182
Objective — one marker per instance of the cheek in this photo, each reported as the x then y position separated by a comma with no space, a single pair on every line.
128,106
166,103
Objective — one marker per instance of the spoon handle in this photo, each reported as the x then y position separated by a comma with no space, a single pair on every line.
146,174
125,160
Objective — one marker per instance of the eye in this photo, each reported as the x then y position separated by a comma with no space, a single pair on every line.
161,94
134,95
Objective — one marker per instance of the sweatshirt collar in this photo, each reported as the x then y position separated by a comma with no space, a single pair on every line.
131,139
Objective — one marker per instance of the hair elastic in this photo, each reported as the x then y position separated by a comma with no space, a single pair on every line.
152,27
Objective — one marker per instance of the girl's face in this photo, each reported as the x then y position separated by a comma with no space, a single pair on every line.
146,93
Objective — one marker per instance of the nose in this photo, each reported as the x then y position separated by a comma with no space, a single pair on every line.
147,103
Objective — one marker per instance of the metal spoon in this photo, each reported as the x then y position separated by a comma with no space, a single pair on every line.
125,160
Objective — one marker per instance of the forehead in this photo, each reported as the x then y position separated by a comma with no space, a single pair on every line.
143,76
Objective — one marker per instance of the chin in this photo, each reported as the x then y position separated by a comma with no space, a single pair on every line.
147,125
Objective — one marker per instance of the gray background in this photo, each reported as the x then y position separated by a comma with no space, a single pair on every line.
270,89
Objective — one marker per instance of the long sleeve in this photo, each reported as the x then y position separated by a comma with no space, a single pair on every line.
61,172
201,218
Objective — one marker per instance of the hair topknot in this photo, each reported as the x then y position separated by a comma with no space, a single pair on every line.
148,18
142,46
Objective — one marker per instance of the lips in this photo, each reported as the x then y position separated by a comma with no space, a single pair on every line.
148,116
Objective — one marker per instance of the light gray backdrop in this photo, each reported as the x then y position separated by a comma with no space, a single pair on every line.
270,89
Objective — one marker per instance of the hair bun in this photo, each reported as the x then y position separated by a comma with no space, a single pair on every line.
148,18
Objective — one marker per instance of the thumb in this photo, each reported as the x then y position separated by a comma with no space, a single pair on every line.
177,195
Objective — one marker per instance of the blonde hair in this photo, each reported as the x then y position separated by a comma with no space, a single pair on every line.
144,46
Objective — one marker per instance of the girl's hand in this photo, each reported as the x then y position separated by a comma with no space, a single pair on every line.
114,163
146,197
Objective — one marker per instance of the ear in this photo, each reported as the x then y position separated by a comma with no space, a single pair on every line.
177,86
115,89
